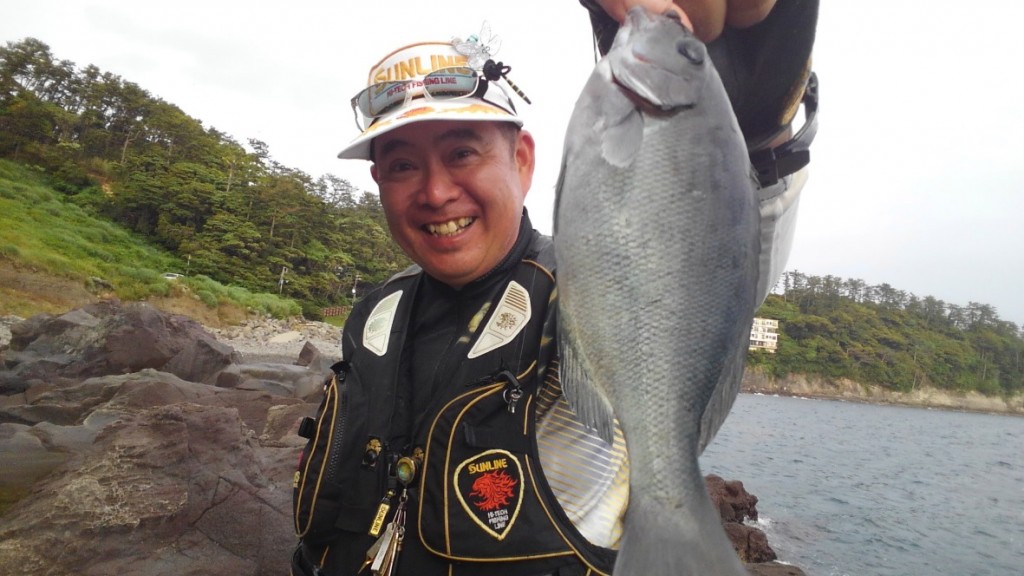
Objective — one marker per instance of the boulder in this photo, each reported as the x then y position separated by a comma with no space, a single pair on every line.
163,490
22,369
311,357
736,505
751,543
202,361
282,379
102,338
150,388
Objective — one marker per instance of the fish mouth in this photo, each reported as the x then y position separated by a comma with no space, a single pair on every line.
450,227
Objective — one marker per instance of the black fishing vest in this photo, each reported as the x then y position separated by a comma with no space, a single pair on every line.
479,503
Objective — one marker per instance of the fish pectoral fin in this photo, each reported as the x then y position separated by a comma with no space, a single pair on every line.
591,406
621,141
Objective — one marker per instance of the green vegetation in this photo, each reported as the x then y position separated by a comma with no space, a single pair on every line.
107,185
43,231
108,149
881,335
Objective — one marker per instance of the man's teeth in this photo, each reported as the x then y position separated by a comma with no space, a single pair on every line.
450,227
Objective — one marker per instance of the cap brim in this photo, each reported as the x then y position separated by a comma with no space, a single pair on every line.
421,110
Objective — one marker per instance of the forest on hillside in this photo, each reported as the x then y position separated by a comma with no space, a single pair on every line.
879,334
230,212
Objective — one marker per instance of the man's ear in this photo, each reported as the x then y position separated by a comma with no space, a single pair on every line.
526,159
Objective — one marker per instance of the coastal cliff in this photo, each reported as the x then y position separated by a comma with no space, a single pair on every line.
755,381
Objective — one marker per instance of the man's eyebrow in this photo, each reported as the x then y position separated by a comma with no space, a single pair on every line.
455,134
462,133
392,145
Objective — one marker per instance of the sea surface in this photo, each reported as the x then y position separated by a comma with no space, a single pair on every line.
849,489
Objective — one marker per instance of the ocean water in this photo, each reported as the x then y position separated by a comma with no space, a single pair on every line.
848,489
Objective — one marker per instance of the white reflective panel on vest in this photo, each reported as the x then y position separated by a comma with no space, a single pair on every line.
509,319
377,331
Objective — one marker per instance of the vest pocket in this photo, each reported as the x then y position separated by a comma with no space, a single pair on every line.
317,491
479,499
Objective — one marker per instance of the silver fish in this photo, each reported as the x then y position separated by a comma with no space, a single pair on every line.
657,242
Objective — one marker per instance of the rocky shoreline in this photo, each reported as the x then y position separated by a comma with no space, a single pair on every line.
269,340
137,442
266,339
804,386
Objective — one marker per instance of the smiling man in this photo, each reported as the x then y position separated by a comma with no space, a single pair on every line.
453,192
444,445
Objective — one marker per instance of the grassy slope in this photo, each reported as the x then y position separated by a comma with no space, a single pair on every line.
55,256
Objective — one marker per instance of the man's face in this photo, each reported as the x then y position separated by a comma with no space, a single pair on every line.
453,193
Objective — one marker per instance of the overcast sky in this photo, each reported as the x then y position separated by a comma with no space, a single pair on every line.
917,175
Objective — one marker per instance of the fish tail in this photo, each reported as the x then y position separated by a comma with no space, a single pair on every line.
656,542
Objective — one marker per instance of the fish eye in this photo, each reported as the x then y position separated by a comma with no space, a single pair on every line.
691,50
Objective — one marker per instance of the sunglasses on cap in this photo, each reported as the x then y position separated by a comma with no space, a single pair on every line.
442,84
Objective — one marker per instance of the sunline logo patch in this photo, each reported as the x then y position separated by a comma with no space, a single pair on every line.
490,488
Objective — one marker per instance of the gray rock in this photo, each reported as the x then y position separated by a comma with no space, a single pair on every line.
311,357
22,369
64,406
283,424
15,399
67,439
178,489
283,379
267,386
5,329
202,361
128,463
25,457
102,338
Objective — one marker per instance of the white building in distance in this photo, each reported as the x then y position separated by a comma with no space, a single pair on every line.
764,335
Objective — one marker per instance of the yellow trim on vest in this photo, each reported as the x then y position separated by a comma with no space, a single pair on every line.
332,393
484,393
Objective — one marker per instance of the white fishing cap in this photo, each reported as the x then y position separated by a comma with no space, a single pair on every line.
413,62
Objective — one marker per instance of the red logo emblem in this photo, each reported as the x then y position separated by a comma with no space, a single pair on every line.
490,488
494,490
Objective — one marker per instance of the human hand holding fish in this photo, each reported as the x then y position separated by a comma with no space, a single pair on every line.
707,18
656,241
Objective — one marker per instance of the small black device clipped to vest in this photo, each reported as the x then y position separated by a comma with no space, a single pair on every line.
513,390
488,436
307,428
